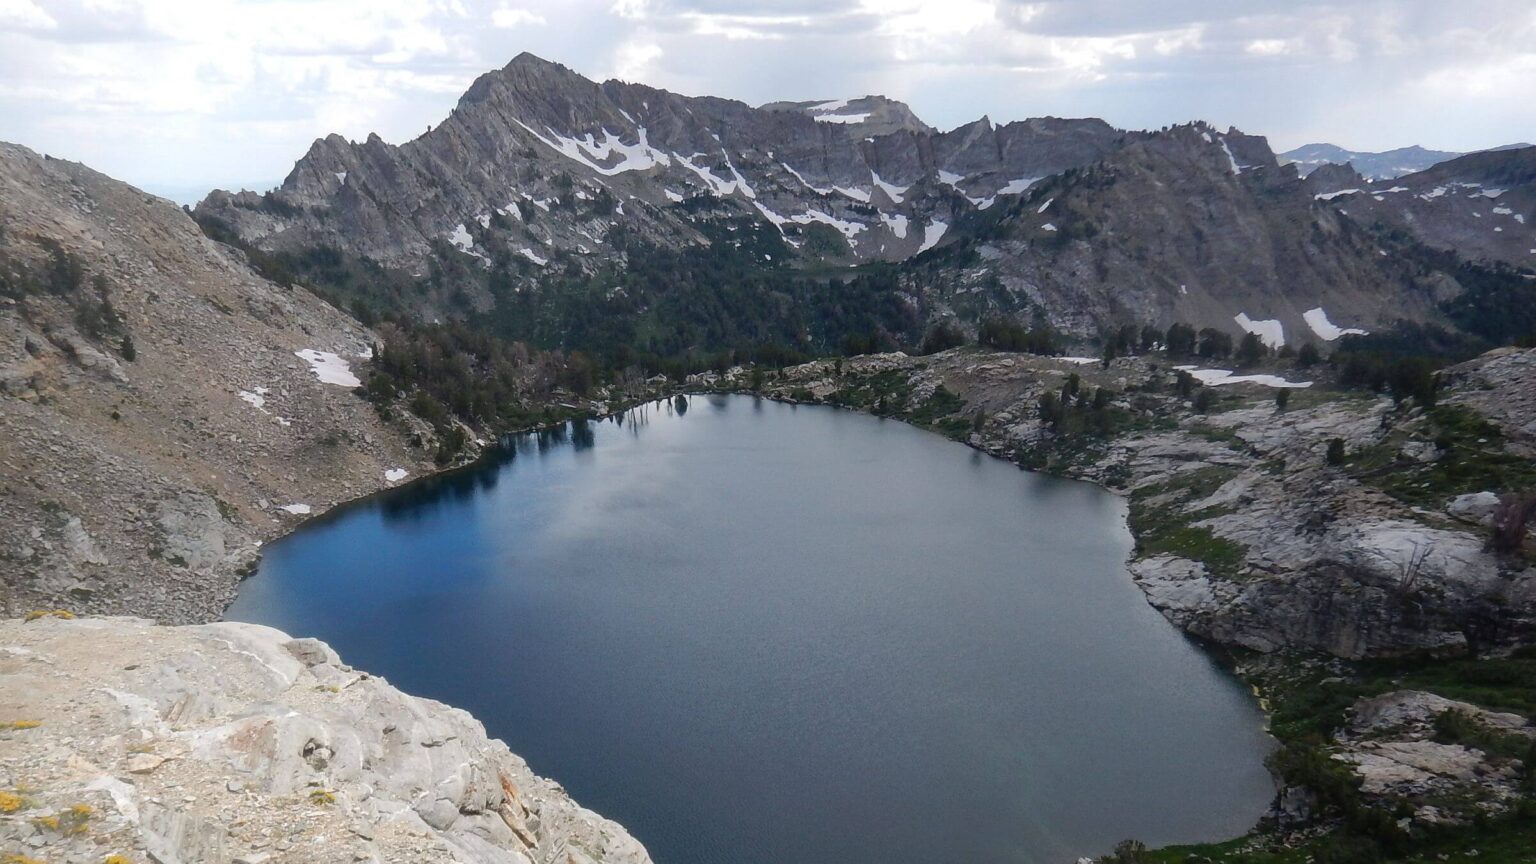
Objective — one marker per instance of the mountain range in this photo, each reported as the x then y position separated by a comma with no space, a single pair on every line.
543,194
1384,165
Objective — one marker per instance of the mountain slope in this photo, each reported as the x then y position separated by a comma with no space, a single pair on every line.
1374,166
1481,206
538,167
143,479
1186,225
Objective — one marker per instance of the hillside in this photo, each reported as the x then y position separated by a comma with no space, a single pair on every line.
1479,207
144,479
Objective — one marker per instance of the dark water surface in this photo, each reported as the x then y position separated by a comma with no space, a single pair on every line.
760,633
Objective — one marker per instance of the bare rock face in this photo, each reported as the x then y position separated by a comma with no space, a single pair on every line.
229,743
1391,744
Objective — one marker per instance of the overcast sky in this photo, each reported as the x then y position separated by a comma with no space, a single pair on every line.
183,95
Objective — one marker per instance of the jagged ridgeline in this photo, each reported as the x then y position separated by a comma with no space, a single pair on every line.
633,223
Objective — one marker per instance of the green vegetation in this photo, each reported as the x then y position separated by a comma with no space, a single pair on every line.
1161,525
1469,457
1309,700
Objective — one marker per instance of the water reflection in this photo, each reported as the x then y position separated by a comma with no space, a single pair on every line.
789,634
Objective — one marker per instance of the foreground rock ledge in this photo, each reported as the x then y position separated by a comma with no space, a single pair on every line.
237,743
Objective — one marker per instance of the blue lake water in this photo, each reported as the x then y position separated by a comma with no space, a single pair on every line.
754,632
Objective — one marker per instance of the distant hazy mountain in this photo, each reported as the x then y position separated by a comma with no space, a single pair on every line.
1386,165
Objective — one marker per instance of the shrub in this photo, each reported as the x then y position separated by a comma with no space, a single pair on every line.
1335,455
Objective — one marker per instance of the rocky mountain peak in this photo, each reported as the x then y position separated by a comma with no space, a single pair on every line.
863,117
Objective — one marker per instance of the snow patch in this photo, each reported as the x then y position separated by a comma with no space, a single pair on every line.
328,367
395,475
897,224
849,229
533,256
1329,196
842,118
1048,202
1236,168
932,234
722,188
1081,361
893,191
1019,186
817,189
297,509
672,196
341,176
1270,332
1049,226
592,153
1326,330
1219,377
460,238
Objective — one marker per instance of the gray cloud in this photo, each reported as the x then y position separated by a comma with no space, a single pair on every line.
226,92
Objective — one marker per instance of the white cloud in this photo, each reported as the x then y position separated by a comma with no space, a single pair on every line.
508,18
1268,47
223,91
24,15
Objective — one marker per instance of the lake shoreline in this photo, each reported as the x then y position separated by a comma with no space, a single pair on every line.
809,430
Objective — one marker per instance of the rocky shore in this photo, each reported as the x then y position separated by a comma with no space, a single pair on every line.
236,744
1246,535
1308,572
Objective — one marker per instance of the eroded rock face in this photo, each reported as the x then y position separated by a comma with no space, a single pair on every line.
228,742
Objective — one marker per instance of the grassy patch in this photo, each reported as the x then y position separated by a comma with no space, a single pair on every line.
1219,434
1470,458
938,406
1162,527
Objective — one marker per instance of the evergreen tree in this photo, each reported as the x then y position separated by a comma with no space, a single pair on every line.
1335,454
1180,340
1251,350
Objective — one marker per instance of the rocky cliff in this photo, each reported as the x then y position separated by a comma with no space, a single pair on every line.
125,741
159,420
